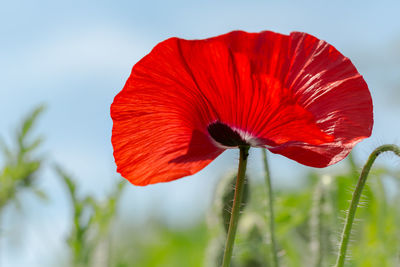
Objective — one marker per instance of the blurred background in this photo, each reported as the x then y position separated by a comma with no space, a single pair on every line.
73,57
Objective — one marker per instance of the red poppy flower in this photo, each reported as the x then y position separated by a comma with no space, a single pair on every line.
189,100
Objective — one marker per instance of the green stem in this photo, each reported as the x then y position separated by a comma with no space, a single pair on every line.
237,200
356,199
270,211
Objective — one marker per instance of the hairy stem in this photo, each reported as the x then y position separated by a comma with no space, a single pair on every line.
275,262
356,199
237,200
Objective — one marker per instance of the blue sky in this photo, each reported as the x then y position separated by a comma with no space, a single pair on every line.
75,56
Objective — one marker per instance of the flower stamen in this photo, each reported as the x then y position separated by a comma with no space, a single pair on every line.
225,135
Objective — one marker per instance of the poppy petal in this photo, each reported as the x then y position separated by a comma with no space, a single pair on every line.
294,94
152,144
159,124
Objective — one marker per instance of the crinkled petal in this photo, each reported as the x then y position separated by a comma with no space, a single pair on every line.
160,120
295,94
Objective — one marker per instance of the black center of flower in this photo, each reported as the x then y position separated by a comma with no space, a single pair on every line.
225,135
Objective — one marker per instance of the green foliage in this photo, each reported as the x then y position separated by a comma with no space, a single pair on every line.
155,244
21,165
91,223
309,220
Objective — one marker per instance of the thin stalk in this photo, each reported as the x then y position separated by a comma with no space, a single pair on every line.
356,199
237,200
275,261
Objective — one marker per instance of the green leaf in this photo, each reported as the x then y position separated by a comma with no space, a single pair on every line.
29,122
33,145
67,180
21,166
